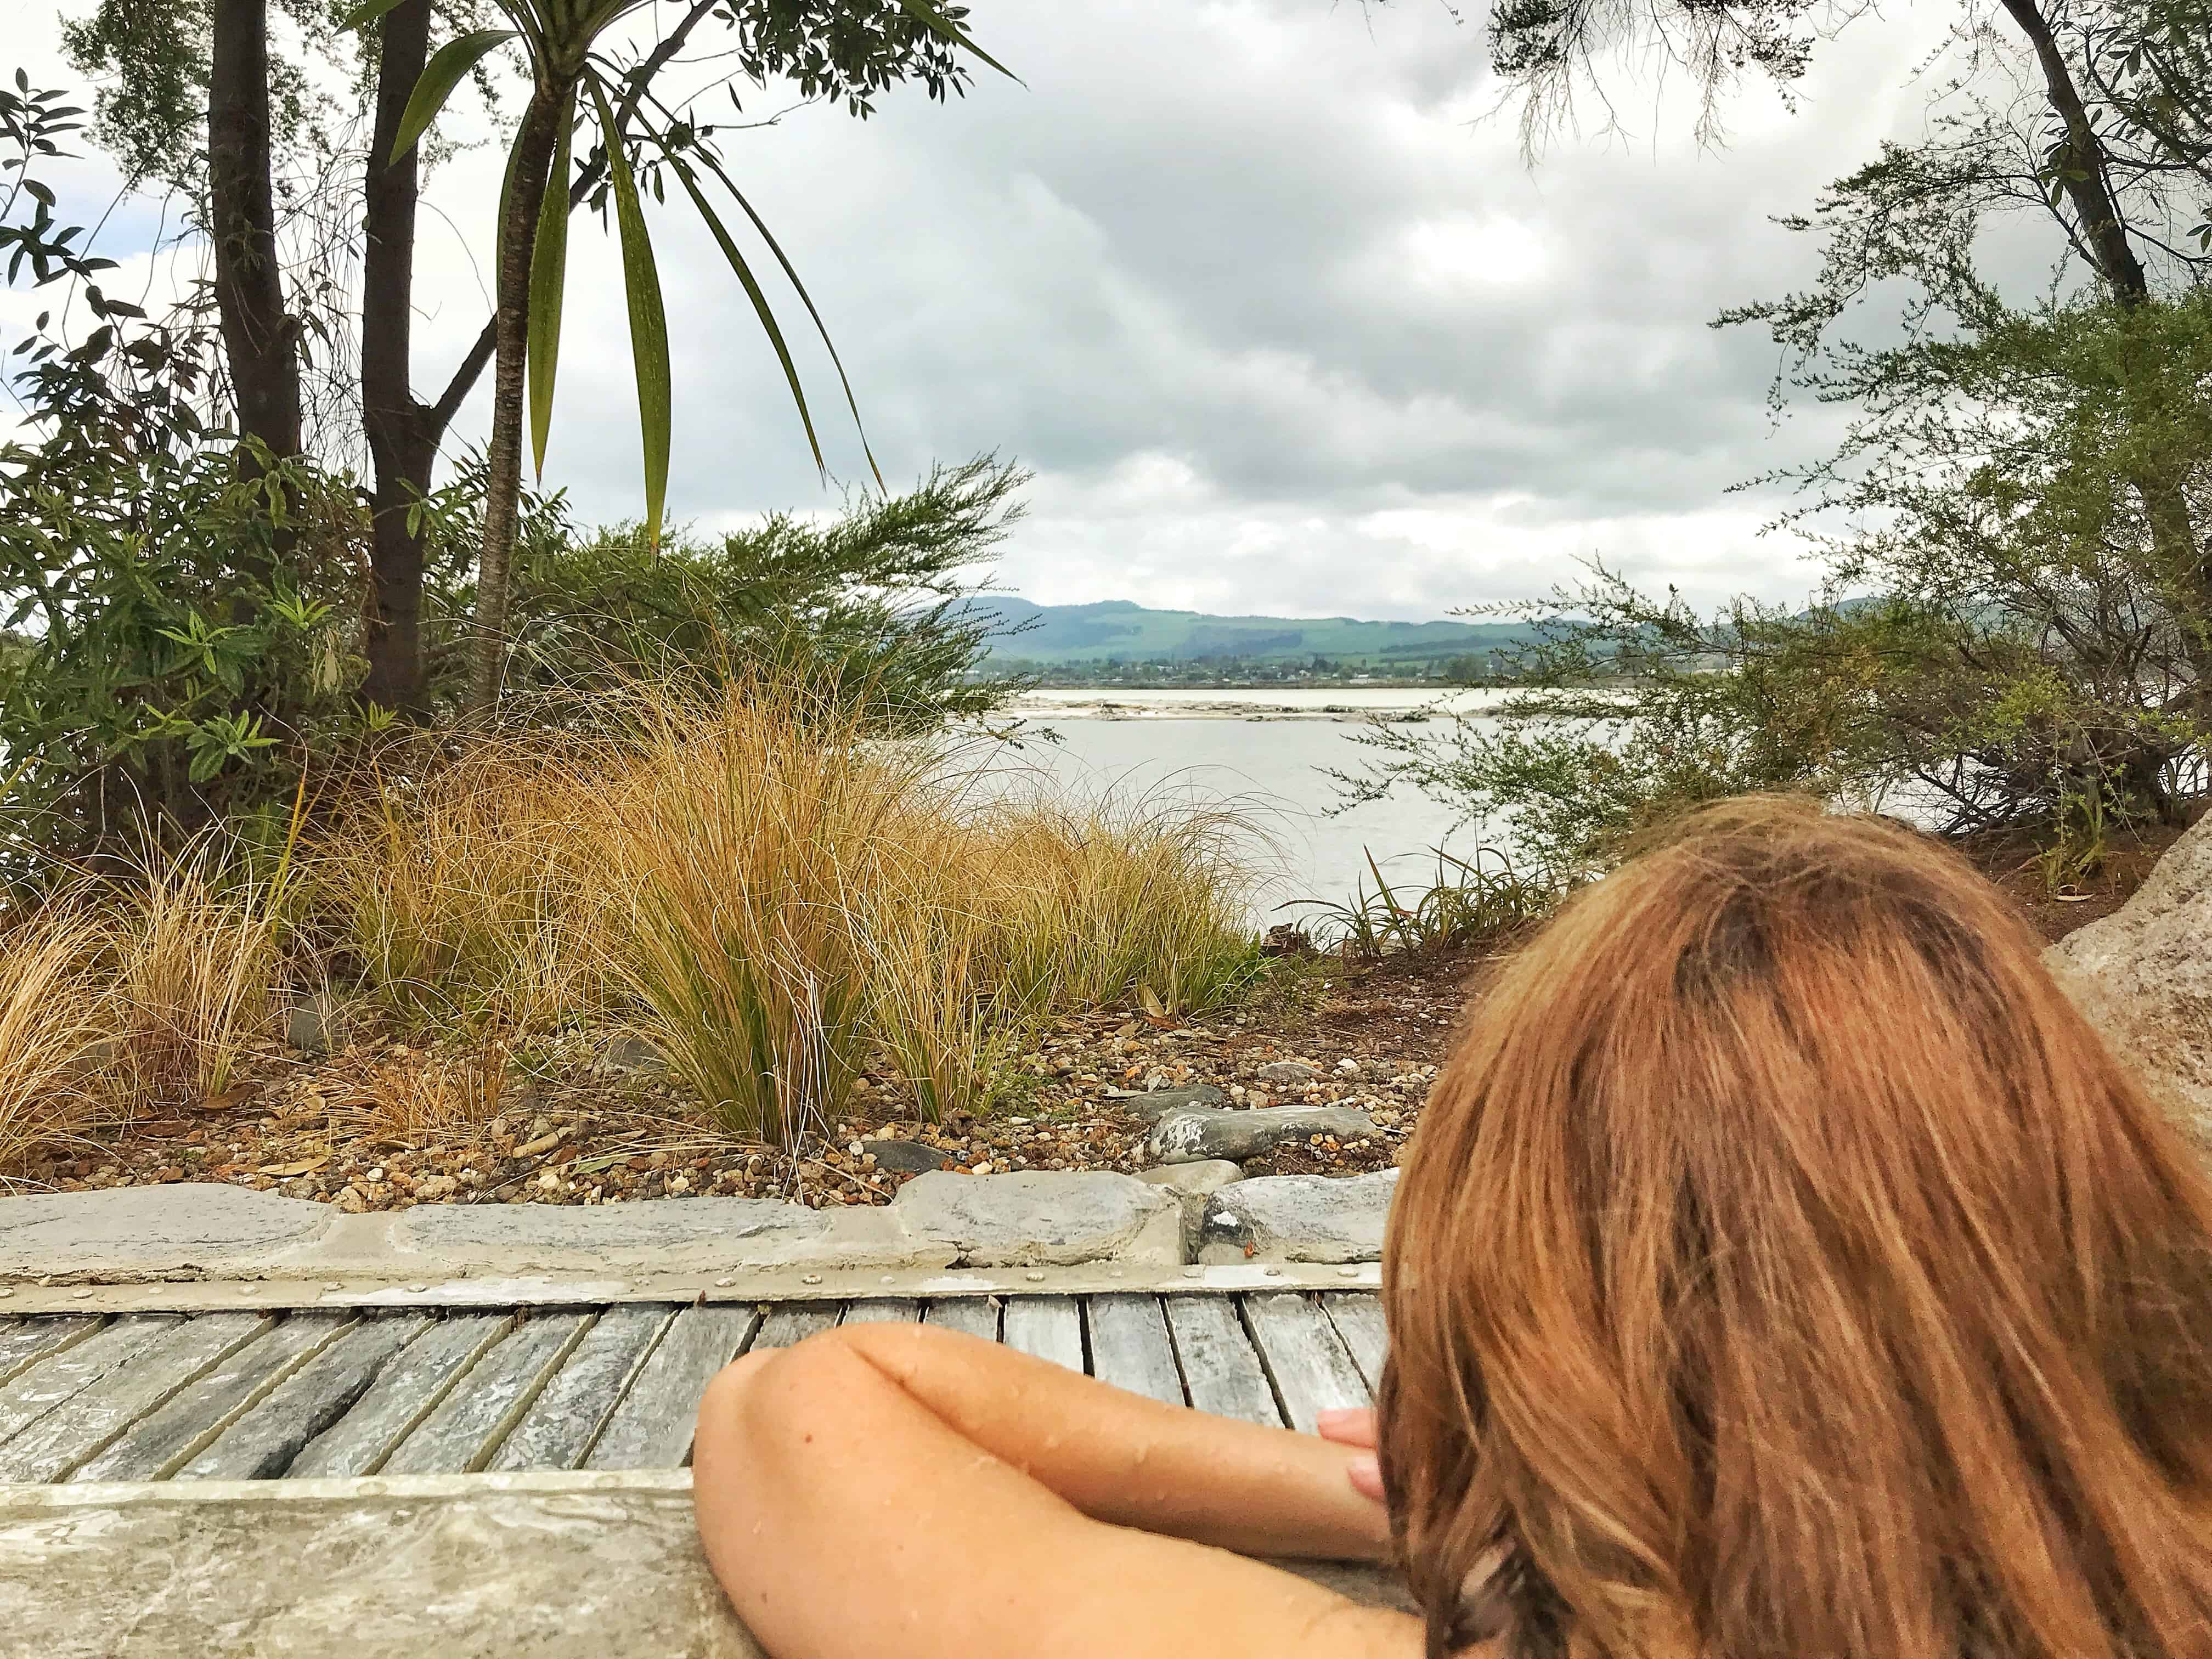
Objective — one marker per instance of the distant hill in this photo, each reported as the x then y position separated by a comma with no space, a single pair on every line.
1117,630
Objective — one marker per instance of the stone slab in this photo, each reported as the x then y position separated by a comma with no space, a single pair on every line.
1192,1184
1154,1104
1044,1218
1326,1218
662,1235
555,1566
1192,1137
184,1230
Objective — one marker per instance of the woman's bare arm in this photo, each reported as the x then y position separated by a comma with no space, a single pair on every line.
909,1490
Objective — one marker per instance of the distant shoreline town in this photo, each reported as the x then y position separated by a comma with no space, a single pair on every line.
1119,644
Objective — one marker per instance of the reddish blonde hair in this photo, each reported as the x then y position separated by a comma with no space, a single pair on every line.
1783,1269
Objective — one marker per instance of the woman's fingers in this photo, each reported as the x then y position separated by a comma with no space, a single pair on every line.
1366,1475
1355,1426
1349,1426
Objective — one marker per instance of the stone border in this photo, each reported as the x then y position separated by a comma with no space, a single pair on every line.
939,1223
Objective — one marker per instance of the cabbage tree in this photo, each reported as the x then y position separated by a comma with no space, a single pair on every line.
577,89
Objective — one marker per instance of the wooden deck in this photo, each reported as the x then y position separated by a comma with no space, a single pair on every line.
325,1393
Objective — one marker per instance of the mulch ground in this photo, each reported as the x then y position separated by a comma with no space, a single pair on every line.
383,1125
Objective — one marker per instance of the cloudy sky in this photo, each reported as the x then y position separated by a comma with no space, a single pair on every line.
1282,323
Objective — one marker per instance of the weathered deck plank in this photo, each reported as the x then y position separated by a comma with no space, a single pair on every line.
26,1341
789,1323
262,1444
1049,1326
652,1428
65,1374
466,1430
1304,1357
884,1311
978,1315
1130,1346
558,1429
152,1450
1220,1370
82,1427
1357,1316
405,1392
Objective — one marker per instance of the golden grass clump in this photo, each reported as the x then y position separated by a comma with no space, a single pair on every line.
781,900
464,897
56,1022
196,965
778,897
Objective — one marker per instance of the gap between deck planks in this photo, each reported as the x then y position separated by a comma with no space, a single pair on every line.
326,1393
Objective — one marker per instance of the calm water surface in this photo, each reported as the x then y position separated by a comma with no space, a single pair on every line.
1266,753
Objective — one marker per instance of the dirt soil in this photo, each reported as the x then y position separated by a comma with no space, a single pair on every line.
590,1120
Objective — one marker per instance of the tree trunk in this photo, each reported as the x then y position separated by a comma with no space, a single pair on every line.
401,446
532,161
260,340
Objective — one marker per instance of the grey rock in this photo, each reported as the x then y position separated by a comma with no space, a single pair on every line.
1191,1137
484,1566
1191,1183
309,1026
1040,1219
2143,976
1297,1219
1186,1179
1155,1103
1288,1072
188,1230
629,1052
906,1156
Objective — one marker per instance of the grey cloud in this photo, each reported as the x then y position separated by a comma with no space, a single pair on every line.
1280,324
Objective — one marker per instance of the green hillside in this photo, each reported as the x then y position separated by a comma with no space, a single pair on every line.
1118,631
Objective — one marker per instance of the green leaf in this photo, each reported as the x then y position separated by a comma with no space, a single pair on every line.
938,24
362,16
454,60
821,328
760,303
648,321
549,269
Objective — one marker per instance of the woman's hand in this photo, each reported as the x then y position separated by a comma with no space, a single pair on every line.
1355,1426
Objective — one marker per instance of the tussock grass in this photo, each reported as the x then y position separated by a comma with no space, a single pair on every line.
197,960
777,896
780,899
56,1023
1470,901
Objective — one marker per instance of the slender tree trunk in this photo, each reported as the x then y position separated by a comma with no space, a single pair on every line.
525,192
403,445
259,338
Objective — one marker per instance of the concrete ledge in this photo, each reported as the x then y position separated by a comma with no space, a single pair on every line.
556,1567
194,1233
1045,1219
1298,1218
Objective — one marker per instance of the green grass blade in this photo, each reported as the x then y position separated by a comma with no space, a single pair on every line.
938,24
821,328
454,60
648,321
760,303
548,272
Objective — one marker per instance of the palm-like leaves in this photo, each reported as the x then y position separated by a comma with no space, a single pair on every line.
560,36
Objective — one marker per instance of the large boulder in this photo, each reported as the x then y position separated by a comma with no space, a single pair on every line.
2143,976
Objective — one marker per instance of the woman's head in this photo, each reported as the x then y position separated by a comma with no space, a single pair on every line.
1784,1267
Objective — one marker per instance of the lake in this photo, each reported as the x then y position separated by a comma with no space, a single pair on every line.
1265,753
